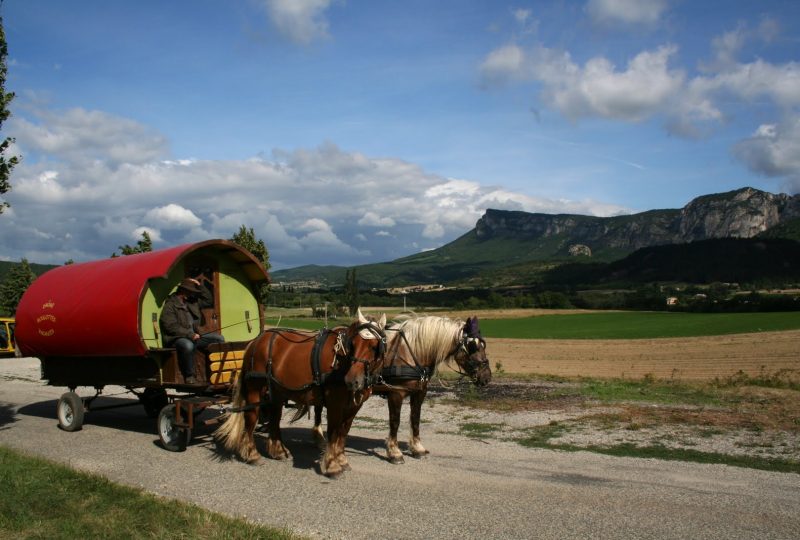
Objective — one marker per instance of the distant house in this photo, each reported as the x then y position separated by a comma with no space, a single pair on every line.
672,300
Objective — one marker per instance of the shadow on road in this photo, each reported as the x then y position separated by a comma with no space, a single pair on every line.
129,417
305,452
7,415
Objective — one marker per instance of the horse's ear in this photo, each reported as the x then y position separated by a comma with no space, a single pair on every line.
382,322
471,327
361,318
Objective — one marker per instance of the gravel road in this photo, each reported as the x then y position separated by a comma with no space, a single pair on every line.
465,489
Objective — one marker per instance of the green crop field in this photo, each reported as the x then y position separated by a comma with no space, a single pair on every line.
613,325
305,324
637,325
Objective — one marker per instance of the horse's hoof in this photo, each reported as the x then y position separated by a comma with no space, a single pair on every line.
396,460
419,455
333,475
347,467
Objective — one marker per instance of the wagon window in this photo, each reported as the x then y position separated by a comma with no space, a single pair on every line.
3,336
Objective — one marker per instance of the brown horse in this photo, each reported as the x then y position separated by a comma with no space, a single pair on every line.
330,368
416,347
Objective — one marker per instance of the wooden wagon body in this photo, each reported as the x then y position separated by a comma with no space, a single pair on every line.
97,323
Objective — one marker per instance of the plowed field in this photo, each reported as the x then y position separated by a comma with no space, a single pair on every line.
703,358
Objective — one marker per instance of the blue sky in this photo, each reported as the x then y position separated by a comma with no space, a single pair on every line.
346,131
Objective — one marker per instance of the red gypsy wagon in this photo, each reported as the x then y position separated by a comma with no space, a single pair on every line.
97,323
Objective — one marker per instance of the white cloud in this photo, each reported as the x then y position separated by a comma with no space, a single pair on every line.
371,219
774,150
648,86
626,11
522,15
173,216
312,205
302,21
755,80
79,136
597,89
155,234
504,64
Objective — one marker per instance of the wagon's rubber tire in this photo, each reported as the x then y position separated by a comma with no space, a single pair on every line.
70,410
173,438
153,400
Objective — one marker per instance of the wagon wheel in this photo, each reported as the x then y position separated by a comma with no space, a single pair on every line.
174,438
153,400
70,411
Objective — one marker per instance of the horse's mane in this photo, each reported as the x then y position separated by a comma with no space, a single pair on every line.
431,338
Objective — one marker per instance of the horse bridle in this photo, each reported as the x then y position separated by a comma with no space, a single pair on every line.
346,342
470,345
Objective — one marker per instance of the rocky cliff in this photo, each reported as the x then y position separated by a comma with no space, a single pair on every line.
743,213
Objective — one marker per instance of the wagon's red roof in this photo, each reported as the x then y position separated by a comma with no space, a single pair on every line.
92,309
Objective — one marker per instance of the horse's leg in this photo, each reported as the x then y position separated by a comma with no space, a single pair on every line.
415,445
395,402
331,467
275,447
249,452
350,415
316,431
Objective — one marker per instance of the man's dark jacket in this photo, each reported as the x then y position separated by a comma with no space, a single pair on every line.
179,319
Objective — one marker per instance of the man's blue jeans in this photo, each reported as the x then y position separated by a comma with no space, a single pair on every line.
185,348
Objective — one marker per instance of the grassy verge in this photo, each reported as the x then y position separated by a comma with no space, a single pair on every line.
41,499
762,413
540,438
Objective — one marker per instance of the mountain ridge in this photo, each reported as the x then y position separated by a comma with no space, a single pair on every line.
502,238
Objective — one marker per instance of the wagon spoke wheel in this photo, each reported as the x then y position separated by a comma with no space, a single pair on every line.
174,438
70,411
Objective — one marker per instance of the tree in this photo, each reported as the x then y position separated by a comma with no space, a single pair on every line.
17,281
142,246
351,292
247,239
6,164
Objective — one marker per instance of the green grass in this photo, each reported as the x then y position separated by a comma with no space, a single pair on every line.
540,439
638,325
648,390
479,430
41,499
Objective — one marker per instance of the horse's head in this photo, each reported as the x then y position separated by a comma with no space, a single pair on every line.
366,349
471,354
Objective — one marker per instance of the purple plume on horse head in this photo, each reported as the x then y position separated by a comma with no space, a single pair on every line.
471,328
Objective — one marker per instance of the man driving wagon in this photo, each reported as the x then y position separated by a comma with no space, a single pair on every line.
181,321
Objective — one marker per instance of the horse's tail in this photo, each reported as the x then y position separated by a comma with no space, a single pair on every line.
231,433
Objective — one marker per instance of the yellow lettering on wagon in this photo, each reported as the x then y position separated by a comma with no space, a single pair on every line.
49,305
48,319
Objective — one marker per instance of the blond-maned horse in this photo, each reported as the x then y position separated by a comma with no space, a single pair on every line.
417,345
